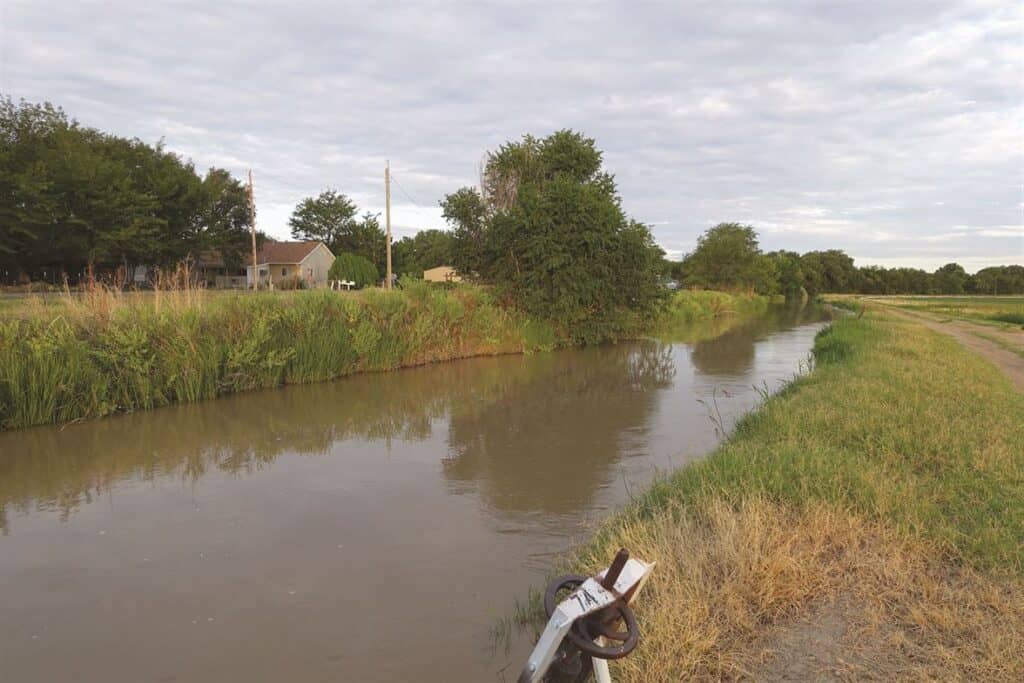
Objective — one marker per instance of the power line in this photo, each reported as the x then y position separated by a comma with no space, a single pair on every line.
407,195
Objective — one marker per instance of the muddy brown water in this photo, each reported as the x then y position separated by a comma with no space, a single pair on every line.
374,528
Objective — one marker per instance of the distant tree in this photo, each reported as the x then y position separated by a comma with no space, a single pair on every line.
426,249
331,218
328,217
830,271
998,280
466,212
789,273
727,257
950,279
353,268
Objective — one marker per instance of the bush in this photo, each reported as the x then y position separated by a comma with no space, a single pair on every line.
353,268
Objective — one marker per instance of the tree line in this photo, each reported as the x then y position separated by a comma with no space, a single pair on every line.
546,227
728,256
74,200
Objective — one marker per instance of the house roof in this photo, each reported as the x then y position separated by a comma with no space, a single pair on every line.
285,252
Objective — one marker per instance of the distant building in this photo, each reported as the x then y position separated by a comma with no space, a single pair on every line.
441,274
284,263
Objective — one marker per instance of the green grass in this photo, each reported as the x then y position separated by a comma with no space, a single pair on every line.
688,306
896,423
118,354
989,310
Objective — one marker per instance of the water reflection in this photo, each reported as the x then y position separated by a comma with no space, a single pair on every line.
548,442
495,407
732,352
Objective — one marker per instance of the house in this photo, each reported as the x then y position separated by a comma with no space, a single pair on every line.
441,274
283,264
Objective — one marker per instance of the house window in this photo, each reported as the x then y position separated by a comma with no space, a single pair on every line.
284,271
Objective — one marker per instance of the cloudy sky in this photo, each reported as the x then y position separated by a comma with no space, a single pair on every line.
892,130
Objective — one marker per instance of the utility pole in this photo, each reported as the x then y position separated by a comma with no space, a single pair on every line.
252,230
387,218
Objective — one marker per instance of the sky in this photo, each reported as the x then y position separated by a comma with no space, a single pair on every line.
892,130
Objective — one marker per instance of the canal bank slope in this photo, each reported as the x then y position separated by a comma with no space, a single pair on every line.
866,522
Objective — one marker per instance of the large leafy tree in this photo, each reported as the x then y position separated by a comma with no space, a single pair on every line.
331,217
548,231
328,217
726,257
74,199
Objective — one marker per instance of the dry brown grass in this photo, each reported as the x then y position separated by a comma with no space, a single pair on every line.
736,590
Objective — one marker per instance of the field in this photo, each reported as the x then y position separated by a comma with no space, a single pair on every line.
866,522
998,311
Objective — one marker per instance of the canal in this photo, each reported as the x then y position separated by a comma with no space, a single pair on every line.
374,528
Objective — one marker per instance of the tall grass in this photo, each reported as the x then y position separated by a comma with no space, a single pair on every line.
106,351
688,306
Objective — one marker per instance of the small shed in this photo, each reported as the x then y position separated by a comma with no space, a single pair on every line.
441,274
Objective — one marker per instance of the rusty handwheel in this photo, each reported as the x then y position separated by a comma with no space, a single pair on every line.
604,623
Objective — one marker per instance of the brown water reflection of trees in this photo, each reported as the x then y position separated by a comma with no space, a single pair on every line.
51,468
548,443
597,393
733,351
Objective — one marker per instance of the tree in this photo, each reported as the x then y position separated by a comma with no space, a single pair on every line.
950,279
466,212
548,232
789,273
75,200
426,249
331,218
353,268
328,217
727,257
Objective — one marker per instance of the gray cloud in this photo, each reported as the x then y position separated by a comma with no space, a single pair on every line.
889,130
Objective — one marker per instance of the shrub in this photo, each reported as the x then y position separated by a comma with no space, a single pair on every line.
353,268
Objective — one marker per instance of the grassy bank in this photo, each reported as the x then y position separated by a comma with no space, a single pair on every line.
77,357
868,521
92,358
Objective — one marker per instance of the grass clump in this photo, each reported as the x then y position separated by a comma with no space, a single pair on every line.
882,495
688,306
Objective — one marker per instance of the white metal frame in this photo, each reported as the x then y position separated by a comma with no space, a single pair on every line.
588,598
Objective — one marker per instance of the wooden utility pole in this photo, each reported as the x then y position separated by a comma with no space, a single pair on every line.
252,230
387,218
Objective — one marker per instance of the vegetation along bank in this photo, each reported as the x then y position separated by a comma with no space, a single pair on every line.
866,522
84,357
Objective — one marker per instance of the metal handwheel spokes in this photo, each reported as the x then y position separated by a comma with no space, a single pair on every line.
588,616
